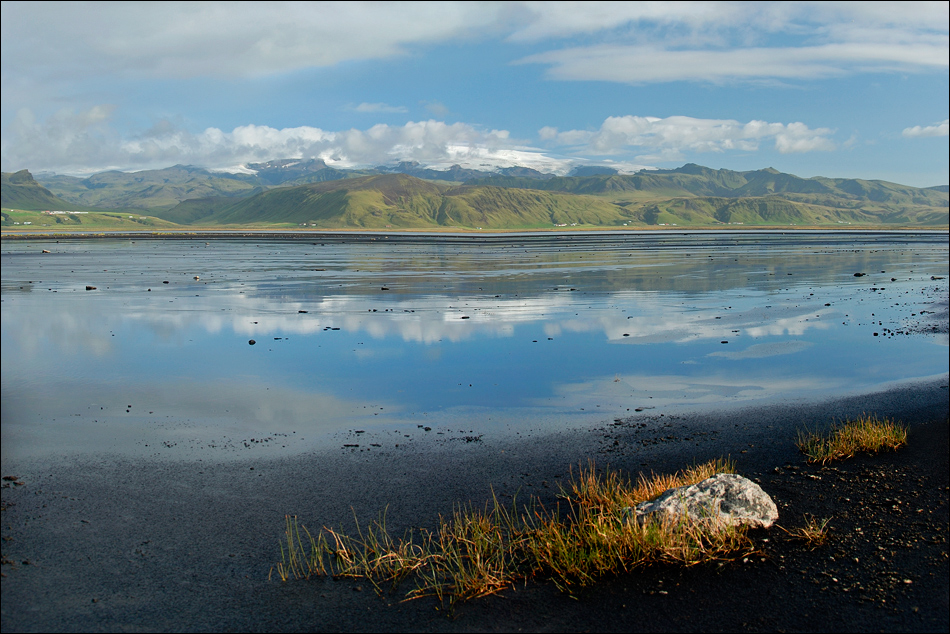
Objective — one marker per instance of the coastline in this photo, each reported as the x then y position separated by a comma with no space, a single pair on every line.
116,545
454,232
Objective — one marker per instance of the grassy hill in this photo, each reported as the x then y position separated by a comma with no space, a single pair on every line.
149,189
764,196
18,219
296,193
163,189
27,205
398,200
20,191
696,180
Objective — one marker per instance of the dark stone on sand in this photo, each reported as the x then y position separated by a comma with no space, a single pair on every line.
251,342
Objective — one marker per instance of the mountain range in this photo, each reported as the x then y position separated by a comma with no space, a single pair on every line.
409,195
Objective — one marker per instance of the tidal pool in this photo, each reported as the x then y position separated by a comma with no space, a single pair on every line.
466,335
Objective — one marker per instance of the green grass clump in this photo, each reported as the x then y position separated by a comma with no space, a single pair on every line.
477,552
867,433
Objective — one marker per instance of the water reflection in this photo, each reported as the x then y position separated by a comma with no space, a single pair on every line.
385,333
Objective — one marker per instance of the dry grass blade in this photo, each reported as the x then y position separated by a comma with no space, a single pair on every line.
610,490
866,434
477,552
473,554
814,533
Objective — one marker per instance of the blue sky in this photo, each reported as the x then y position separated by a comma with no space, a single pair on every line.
835,89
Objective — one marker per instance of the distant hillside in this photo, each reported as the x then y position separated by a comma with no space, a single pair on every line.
309,192
398,200
294,172
20,191
149,189
878,201
163,189
459,174
764,210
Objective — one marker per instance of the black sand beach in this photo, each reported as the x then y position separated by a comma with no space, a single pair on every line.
114,545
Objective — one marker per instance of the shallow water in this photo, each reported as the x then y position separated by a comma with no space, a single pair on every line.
469,336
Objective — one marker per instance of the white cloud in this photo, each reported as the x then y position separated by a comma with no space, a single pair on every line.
764,350
566,19
940,129
629,42
437,108
652,63
85,142
548,20
201,39
66,138
728,41
673,136
379,107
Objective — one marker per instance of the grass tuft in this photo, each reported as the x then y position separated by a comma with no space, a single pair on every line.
477,552
814,533
868,434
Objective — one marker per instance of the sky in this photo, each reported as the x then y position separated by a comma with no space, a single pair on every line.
850,89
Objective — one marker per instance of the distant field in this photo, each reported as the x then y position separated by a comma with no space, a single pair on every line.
14,219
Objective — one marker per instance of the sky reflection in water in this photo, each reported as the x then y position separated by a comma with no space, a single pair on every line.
496,335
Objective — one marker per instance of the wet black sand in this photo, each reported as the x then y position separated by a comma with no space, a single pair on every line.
167,546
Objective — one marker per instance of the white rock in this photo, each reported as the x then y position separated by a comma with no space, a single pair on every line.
725,498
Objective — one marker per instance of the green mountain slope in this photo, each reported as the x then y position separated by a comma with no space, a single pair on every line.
401,201
497,207
149,189
398,200
309,193
164,188
20,191
777,210
370,201
855,200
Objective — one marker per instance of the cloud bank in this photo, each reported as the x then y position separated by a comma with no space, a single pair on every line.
84,142
627,42
647,64
61,55
940,129
219,39
379,107
671,137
